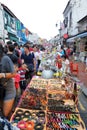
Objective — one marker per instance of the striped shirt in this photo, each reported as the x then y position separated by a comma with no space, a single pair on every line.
22,72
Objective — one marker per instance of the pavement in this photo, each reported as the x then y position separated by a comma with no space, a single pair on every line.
84,90
82,76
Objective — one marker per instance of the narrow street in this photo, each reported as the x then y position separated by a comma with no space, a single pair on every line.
43,65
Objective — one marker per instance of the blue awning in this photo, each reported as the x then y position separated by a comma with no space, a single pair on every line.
72,39
82,35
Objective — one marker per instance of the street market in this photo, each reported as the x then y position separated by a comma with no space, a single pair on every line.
47,103
43,65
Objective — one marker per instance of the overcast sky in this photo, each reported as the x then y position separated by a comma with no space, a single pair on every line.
39,16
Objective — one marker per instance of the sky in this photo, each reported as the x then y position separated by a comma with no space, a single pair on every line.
39,16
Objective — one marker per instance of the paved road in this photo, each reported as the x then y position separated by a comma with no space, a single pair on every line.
82,106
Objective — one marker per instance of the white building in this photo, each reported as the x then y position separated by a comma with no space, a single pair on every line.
33,38
75,19
1,23
79,12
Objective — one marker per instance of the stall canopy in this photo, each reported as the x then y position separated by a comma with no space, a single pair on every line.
81,35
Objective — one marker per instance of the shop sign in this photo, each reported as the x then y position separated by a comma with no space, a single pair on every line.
10,30
12,23
18,25
19,33
6,18
13,38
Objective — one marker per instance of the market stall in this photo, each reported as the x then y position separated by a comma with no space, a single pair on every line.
47,104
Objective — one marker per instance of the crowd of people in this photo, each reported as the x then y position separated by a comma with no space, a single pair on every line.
18,64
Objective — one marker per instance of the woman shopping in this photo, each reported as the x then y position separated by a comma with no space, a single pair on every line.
6,81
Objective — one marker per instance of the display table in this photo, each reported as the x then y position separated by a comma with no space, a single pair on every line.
47,105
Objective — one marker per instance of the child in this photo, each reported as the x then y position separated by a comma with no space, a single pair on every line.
65,64
17,80
58,62
22,71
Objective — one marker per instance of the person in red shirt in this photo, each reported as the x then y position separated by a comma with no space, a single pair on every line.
17,80
22,71
68,52
59,62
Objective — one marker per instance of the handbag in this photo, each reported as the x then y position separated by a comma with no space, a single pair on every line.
2,92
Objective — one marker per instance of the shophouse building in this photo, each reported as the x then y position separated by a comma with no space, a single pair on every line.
75,23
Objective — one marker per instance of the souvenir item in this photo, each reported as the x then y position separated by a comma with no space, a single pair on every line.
29,119
63,121
35,99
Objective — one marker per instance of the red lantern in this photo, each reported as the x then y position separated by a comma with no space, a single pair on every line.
65,36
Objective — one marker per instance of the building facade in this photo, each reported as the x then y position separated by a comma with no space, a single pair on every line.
75,18
75,23
11,28
2,36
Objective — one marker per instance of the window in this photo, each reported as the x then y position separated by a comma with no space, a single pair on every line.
70,20
12,23
6,19
66,21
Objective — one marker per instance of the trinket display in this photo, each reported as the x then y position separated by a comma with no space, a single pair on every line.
39,86
64,121
47,104
29,119
34,99
59,95
56,87
39,81
61,105
54,81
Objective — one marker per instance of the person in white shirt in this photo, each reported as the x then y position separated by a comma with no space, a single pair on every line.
65,64
37,56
